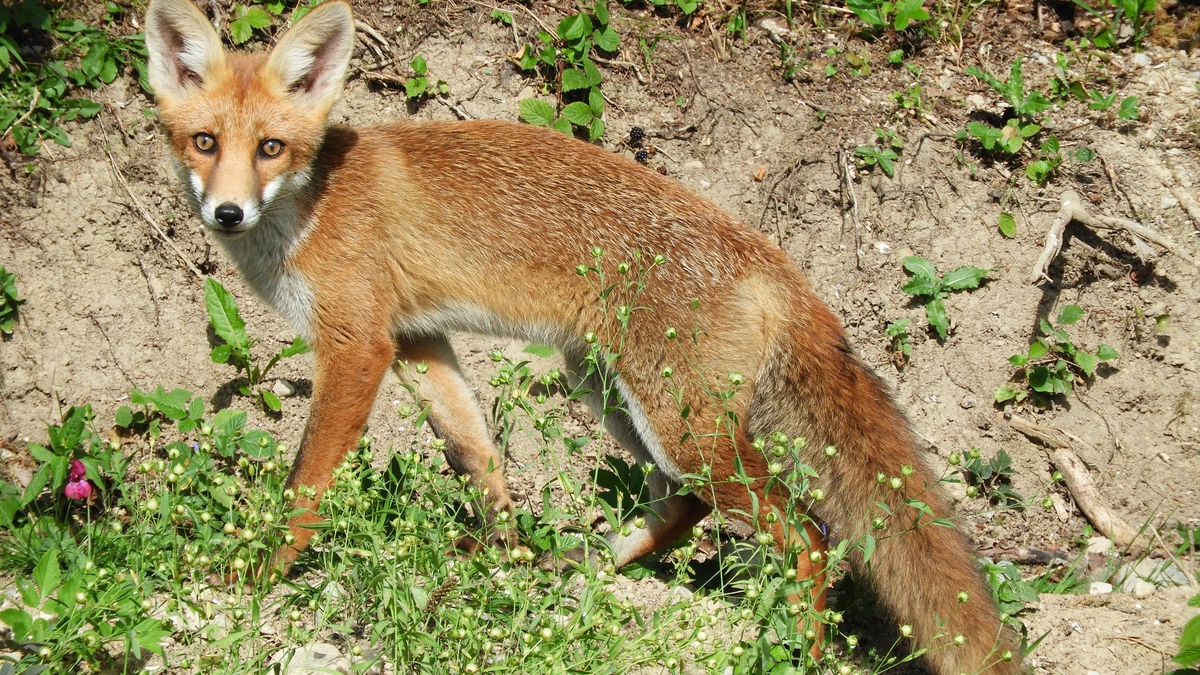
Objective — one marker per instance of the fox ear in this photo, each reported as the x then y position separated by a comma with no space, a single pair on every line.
184,51
311,57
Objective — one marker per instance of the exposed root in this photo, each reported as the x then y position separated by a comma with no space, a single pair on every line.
1071,209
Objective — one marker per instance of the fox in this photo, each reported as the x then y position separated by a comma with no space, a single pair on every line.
377,243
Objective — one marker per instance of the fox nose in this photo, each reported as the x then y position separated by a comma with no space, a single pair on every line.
229,214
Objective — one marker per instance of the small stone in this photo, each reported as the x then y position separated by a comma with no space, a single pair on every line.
319,659
1099,545
1142,588
1099,588
1142,59
693,164
283,388
775,30
1169,203
968,402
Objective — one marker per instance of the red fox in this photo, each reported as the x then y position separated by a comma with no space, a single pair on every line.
376,242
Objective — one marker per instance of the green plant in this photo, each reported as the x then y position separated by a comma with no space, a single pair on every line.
901,347
1007,225
1024,104
34,92
568,53
884,156
1050,365
1189,643
228,325
1048,160
884,14
1139,14
248,19
1009,138
1129,108
991,478
9,302
418,87
925,285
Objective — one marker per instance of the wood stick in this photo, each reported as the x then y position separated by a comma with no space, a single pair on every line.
1079,482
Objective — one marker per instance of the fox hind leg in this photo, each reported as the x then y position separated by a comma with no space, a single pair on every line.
457,420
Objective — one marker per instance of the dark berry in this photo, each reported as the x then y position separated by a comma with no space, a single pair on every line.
662,170
636,134
642,156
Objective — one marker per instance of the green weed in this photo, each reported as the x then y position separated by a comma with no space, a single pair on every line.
882,15
9,302
1052,362
228,325
901,347
991,478
35,94
925,285
1189,643
568,53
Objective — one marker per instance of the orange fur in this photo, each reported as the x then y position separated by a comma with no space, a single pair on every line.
383,239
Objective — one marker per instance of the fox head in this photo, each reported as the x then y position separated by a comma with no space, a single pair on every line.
245,127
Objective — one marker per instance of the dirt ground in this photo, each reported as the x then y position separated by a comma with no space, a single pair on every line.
110,305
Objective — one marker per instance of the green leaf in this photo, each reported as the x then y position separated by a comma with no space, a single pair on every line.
47,573
502,16
536,112
1069,315
596,101
229,423
562,125
1105,352
298,346
1086,362
578,113
868,548
963,278
173,404
1037,350
1129,108
607,39
595,129
271,400
221,354
936,312
574,79
418,64
227,323
920,267
124,416
594,77
414,87
574,27
1007,225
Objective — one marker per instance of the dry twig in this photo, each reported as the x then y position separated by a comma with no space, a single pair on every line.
141,209
1078,482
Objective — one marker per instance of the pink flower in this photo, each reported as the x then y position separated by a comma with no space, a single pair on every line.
78,489
78,486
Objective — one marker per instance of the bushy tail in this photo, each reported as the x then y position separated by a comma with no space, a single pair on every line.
920,565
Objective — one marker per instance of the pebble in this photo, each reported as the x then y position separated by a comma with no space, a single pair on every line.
1099,588
968,402
283,388
693,164
1142,588
1169,203
1099,545
1142,59
319,659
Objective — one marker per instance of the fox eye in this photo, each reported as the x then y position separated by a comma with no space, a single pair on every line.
204,142
271,147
